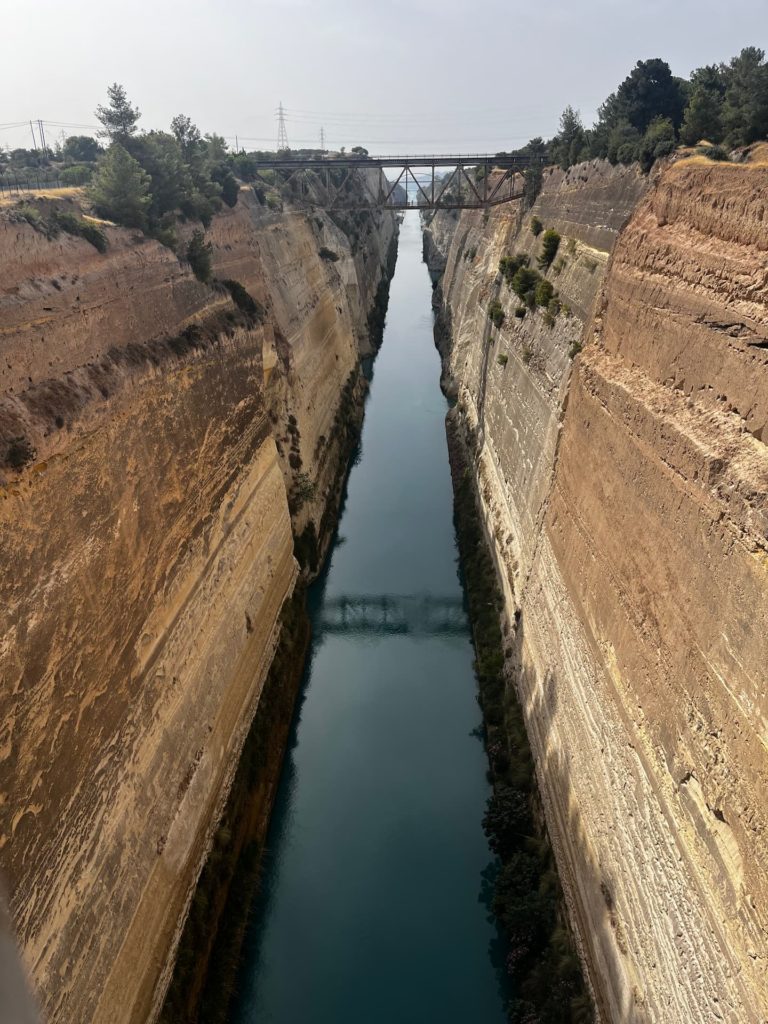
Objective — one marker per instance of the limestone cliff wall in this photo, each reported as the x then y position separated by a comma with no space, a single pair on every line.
625,489
152,439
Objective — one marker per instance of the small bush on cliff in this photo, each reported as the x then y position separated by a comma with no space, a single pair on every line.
496,313
718,153
303,490
328,255
549,245
524,282
536,227
544,292
19,452
502,359
509,265
72,225
244,300
199,256
658,141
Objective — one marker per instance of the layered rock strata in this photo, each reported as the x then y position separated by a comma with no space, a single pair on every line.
156,440
625,493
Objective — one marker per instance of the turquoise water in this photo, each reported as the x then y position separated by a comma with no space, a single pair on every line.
372,907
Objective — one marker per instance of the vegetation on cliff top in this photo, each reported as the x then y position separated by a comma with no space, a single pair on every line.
723,106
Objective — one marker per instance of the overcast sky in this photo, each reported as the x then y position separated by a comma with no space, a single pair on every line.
422,75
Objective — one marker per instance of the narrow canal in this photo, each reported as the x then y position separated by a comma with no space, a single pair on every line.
371,910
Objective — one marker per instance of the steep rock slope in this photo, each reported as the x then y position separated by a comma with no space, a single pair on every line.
147,549
626,497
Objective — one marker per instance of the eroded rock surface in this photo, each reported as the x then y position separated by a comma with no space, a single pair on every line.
159,448
626,495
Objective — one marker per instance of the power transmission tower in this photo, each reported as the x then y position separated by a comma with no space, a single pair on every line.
282,135
322,139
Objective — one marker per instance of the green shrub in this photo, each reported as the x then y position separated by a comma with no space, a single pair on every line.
520,312
199,256
536,227
33,217
509,265
550,243
77,174
328,254
574,350
72,225
19,452
230,190
544,292
524,282
658,141
502,359
496,313
244,300
713,152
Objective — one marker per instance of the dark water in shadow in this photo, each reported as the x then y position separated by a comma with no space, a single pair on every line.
372,909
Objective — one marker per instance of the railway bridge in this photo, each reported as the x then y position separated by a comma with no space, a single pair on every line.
382,614
469,181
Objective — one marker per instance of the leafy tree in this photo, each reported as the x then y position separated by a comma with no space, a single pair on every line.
649,91
187,135
119,190
745,106
359,151
119,119
81,149
703,115
216,148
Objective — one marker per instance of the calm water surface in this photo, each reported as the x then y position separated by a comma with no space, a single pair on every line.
372,909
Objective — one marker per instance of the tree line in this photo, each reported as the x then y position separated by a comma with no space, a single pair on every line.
721,106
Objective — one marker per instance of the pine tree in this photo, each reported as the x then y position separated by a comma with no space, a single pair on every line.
120,189
745,109
703,115
119,118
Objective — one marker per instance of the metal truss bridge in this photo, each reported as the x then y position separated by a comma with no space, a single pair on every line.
472,181
387,614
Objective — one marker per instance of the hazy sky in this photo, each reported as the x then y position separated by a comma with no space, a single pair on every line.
424,75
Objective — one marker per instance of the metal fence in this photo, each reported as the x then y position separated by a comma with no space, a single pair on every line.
11,184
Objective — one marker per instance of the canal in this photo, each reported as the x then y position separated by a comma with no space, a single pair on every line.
372,907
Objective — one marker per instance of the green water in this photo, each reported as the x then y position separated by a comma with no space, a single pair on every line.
372,908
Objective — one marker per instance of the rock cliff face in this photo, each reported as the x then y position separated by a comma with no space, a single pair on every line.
625,493
157,439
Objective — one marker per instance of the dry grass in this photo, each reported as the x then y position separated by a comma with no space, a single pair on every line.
757,159
71,192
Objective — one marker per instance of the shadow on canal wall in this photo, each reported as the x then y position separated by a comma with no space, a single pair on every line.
522,889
